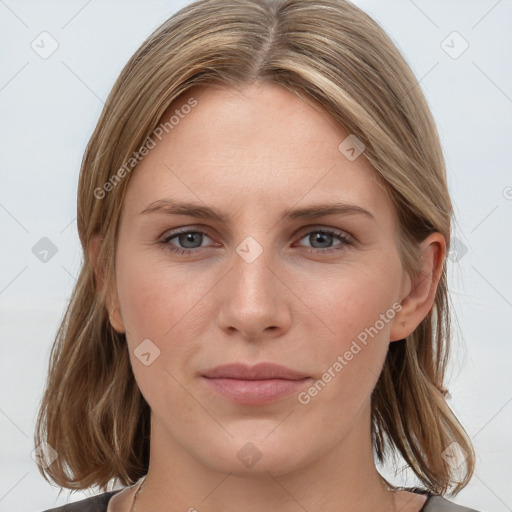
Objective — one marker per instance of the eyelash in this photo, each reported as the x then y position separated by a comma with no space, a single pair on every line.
346,239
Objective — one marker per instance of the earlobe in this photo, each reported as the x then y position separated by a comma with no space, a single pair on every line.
420,300
112,303
116,320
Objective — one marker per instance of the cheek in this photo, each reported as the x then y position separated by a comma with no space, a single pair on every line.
152,310
351,302
161,305
154,299
356,314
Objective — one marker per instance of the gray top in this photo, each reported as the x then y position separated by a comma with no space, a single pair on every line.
99,503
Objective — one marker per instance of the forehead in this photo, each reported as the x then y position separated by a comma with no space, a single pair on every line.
261,145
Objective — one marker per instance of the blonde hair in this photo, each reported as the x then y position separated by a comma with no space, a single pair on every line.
92,412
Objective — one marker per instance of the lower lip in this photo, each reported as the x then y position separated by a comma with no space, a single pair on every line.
255,392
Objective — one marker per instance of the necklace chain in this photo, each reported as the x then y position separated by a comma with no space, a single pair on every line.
392,489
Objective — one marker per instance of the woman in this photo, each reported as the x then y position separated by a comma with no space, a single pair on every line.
262,311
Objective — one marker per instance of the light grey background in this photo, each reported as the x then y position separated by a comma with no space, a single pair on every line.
49,107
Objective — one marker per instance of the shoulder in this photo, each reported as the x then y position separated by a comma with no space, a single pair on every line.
97,503
436,503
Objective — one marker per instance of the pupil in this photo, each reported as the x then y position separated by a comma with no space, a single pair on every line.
189,238
321,237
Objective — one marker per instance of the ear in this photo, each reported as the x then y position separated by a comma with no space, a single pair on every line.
112,301
421,292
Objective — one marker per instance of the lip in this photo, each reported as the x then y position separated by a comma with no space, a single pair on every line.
261,384
260,371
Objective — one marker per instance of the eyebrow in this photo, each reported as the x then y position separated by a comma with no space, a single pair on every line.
169,207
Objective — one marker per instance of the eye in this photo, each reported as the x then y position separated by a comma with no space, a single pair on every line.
323,238
190,240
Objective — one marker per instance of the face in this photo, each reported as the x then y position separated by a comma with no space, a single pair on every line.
263,281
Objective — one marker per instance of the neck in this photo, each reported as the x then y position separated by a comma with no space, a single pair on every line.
343,478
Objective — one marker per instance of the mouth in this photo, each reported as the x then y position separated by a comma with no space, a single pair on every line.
262,384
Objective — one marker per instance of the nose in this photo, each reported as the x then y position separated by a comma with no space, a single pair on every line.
254,300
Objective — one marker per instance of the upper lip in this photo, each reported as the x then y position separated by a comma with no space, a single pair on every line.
260,371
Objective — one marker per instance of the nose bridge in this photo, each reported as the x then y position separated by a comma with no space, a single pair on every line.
252,300
254,282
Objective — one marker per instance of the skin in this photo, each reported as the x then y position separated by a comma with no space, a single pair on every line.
251,154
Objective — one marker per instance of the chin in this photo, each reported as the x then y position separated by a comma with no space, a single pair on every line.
244,458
